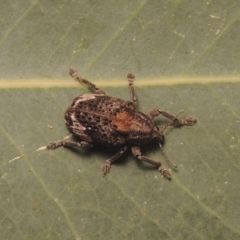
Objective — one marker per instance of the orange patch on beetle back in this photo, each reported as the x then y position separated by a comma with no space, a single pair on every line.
123,121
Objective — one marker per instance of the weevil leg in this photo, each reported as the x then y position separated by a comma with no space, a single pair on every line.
107,166
130,78
137,153
177,123
61,143
73,73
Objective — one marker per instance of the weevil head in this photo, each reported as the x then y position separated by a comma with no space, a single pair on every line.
160,138
158,135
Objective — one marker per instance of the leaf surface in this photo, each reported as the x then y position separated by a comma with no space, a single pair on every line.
184,55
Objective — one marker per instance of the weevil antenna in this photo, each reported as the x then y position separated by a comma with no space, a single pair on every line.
165,127
171,121
161,147
166,156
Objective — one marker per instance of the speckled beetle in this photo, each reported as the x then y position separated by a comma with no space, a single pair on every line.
109,121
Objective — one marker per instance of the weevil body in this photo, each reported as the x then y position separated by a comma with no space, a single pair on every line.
100,119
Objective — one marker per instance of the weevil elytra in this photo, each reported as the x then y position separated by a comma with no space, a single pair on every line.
100,119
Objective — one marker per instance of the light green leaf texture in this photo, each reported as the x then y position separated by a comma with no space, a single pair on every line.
185,55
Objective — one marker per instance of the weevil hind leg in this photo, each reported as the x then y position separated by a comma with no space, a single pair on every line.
177,123
130,78
137,153
61,143
107,166
73,73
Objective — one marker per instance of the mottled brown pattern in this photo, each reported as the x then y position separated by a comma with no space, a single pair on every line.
108,121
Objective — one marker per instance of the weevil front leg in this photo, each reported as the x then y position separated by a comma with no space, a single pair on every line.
130,78
61,143
137,153
177,123
73,73
107,166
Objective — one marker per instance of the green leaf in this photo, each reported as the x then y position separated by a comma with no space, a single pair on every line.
184,55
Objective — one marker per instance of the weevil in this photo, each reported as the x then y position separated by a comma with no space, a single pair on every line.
98,119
